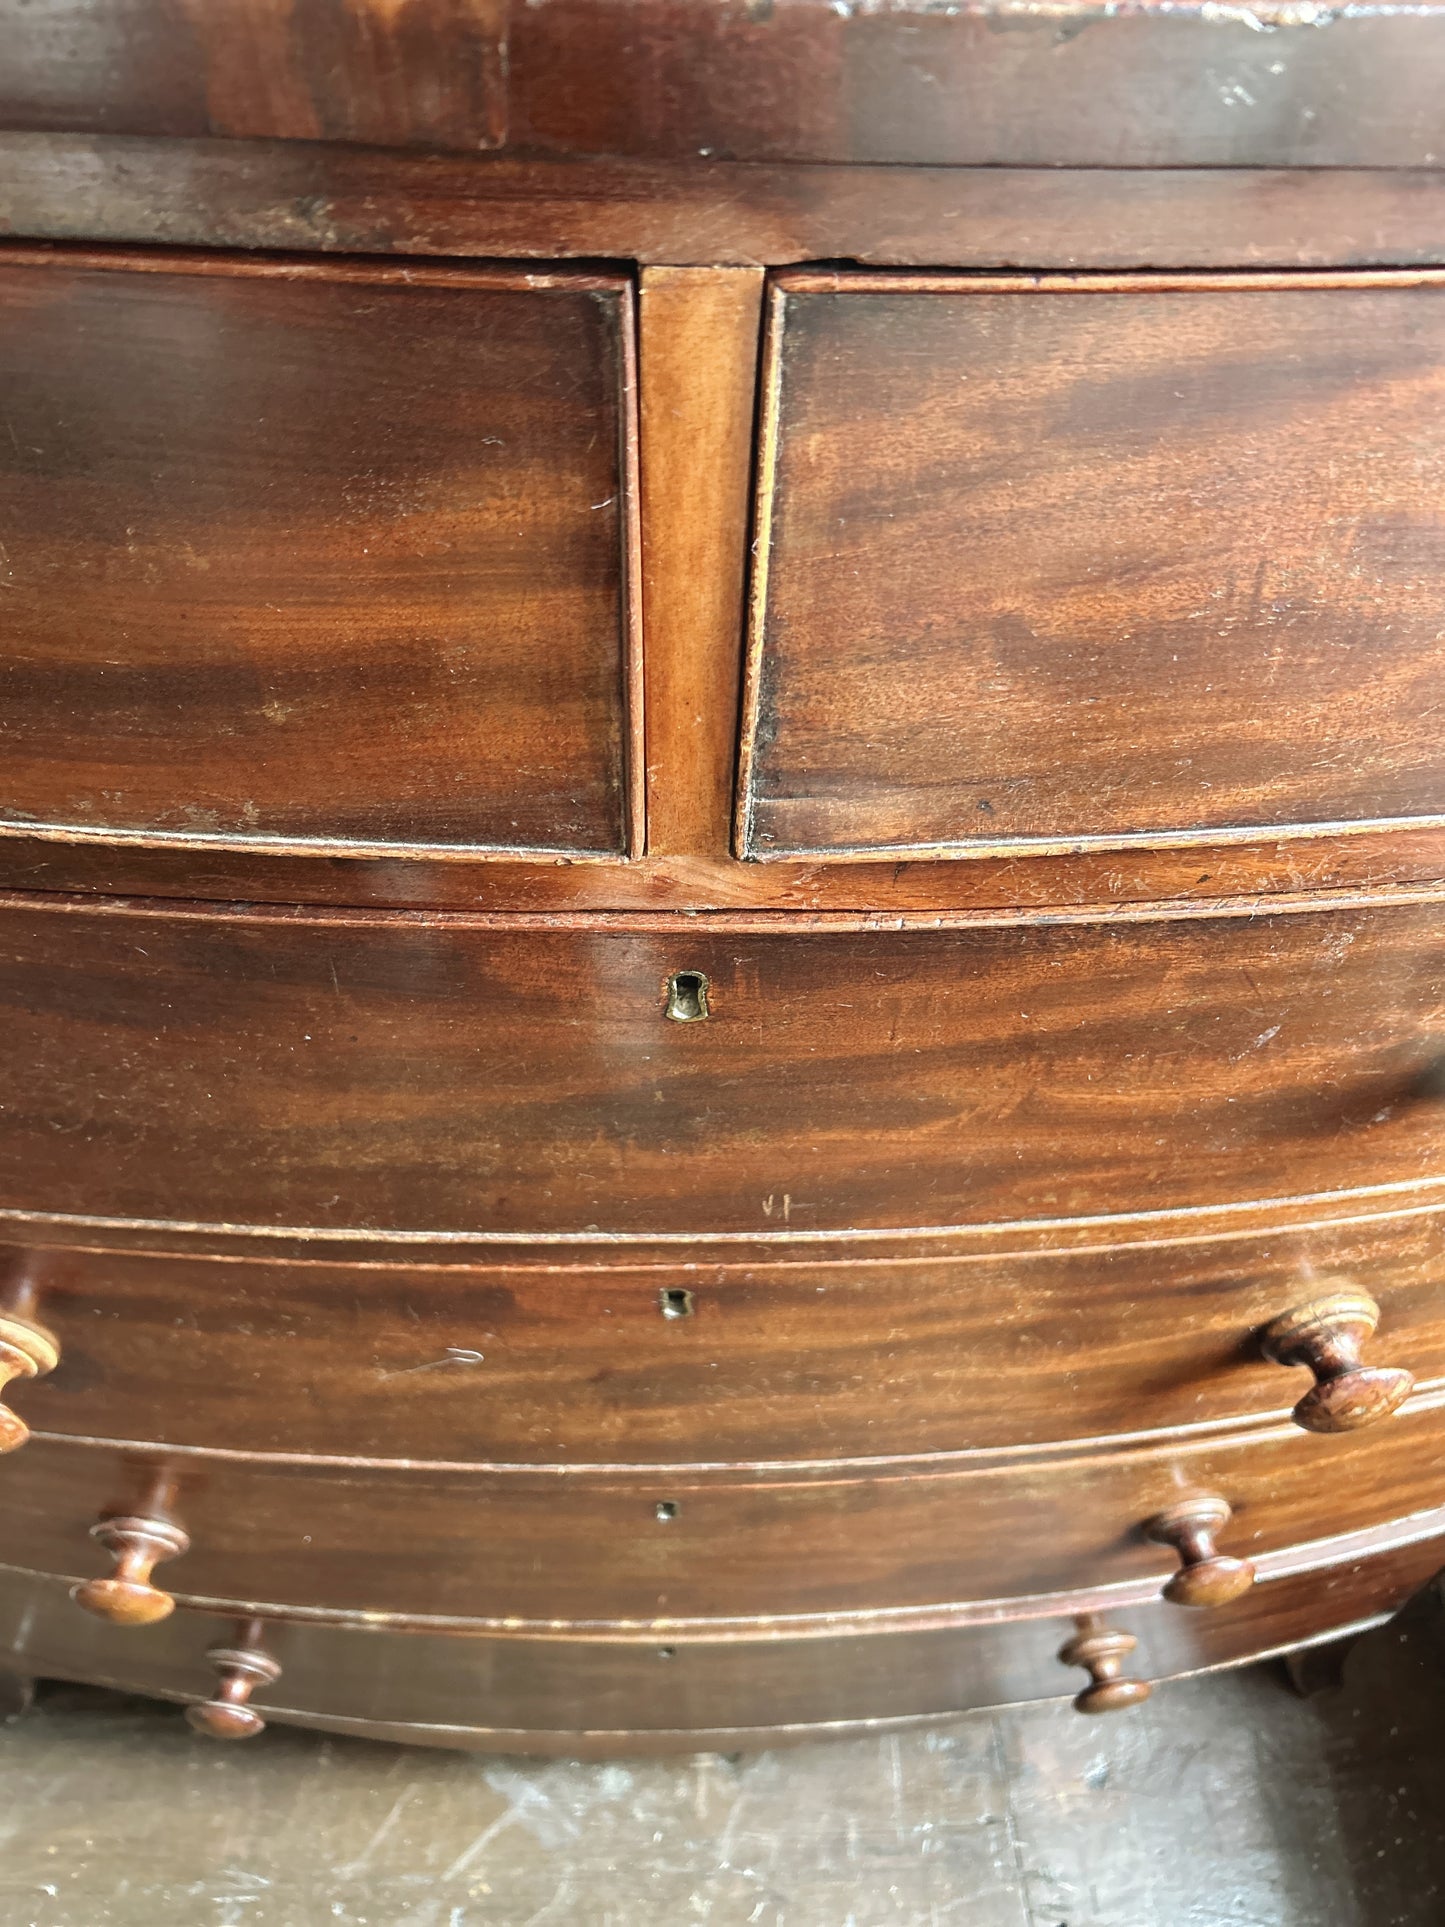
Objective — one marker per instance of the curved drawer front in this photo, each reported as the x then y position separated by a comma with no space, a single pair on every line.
324,557
550,1695
1029,574
533,1547
785,1360
389,1073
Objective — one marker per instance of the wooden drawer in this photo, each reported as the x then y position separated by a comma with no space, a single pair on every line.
697,1545
322,558
391,1074
592,1697
1078,563
573,1363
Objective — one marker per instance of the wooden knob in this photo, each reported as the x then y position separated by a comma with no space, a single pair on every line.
138,1546
27,1350
241,1669
1102,1650
1326,1337
1206,1576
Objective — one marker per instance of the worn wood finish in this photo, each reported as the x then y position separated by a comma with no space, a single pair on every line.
986,84
1137,881
1206,1577
27,1350
693,1547
593,1699
1326,1335
137,1543
1006,82
706,213
584,1361
240,1669
1053,562
327,560
355,70
1103,1651
385,1074
698,394
590,1300
242,852
54,1235
692,575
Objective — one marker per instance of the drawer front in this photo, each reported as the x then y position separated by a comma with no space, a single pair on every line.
1078,563
322,558
574,1364
384,1074
680,1544
574,1696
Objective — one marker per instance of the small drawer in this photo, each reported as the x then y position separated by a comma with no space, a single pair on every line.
389,1076
318,558
578,1364
1072,563
687,1544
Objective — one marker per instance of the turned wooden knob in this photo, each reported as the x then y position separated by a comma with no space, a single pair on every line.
1326,1337
138,1545
241,1669
1102,1650
1206,1576
27,1350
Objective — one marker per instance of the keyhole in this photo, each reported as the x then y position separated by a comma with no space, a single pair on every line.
674,1302
687,997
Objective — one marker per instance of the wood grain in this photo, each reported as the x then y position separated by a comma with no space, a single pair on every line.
580,1363
279,194
384,1073
592,1698
389,74
316,559
698,395
1062,564
1023,887
426,1278
986,85
1001,83
527,1551
461,873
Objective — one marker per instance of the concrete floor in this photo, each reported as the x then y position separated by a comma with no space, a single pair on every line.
1225,1802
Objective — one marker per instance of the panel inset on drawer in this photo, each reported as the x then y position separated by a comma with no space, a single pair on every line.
320,557
1061,563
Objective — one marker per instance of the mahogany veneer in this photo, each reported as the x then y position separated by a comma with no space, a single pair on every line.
405,498
398,1076
602,1359
1175,588
694,1543
594,1697
722,856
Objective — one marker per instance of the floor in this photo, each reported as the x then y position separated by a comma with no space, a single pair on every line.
1225,1802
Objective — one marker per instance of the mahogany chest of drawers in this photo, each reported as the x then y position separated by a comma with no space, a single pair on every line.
722,855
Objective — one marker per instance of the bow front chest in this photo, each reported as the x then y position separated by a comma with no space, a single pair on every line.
722,855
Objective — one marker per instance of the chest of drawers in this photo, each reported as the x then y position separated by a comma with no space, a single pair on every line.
722,845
